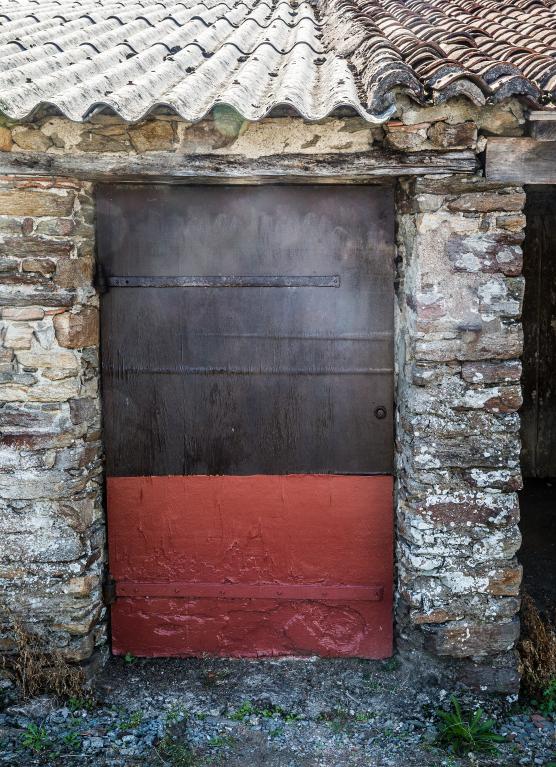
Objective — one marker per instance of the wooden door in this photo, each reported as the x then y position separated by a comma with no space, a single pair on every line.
248,402
538,415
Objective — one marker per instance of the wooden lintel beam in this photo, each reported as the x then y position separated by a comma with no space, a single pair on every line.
521,160
173,167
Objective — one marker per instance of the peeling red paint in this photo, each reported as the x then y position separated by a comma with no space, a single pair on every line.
294,530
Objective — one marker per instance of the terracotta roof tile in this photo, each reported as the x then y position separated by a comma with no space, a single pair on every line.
486,50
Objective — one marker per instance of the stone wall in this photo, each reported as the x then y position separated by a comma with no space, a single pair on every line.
458,349
51,519
458,446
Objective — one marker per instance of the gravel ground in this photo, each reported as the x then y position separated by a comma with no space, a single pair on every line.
276,713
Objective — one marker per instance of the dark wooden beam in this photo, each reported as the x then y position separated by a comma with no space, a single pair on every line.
172,167
521,160
542,125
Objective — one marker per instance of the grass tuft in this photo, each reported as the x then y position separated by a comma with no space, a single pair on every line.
537,649
464,733
38,671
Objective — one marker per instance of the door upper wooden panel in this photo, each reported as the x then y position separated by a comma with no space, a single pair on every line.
247,379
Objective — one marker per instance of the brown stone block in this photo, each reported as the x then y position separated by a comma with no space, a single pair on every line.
18,336
20,202
56,359
461,185
75,272
154,135
82,586
21,313
75,330
485,202
80,649
465,640
505,581
36,247
112,138
8,267
458,136
491,372
6,141
44,266
84,410
434,616
43,182
498,252
508,401
407,138
512,222
465,511
491,678
505,342
56,227
508,479
30,139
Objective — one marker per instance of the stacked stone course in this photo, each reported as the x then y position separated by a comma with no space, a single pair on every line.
459,306
51,519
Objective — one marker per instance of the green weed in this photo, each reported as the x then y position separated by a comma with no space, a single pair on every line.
269,711
242,713
547,704
35,738
129,658
391,664
363,716
220,741
464,733
72,741
174,753
81,704
176,713
134,721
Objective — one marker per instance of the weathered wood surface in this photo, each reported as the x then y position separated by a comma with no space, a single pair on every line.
542,125
171,166
538,415
543,130
521,160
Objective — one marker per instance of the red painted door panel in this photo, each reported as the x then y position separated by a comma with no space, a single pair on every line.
247,372
262,565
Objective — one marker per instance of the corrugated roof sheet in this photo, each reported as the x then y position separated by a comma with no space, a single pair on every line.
252,55
255,55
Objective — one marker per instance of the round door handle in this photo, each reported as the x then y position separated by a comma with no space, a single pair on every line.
380,412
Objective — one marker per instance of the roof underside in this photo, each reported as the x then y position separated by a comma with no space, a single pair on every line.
256,55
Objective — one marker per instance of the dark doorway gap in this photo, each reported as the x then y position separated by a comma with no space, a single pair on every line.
538,552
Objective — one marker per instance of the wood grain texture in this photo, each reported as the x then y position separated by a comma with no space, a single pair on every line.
247,380
543,130
521,161
170,166
538,415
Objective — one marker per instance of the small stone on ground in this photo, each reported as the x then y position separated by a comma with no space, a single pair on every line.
271,713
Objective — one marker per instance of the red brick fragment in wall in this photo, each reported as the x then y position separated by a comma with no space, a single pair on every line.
250,535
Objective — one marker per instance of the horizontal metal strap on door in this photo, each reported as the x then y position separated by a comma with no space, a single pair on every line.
286,592
233,281
234,371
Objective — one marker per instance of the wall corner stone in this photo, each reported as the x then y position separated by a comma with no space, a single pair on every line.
51,518
459,340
